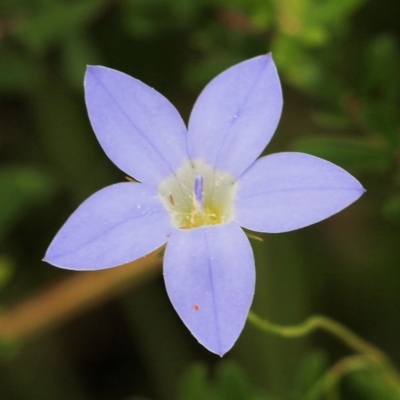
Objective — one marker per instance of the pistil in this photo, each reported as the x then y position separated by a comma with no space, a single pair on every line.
198,189
198,195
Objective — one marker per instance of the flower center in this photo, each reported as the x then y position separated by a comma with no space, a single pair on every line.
198,195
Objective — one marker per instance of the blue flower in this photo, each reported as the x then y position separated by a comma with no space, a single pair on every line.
198,187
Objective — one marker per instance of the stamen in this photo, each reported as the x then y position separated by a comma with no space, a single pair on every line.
198,189
251,236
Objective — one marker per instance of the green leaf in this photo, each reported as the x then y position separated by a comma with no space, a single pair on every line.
6,269
332,12
380,87
371,385
19,73
199,74
382,54
349,153
313,22
331,120
148,18
66,138
381,118
311,369
77,53
231,383
55,22
296,63
391,208
9,349
21,187
194,384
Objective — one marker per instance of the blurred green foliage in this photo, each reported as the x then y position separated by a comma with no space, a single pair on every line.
340,65
229,382
21,187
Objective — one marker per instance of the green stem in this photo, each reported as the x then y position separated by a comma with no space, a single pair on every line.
351,339
315,322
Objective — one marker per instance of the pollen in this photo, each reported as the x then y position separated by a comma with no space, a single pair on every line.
198,195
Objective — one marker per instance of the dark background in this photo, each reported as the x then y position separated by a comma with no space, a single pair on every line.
339,61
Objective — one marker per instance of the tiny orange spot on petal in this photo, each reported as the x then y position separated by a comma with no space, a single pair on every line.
196,307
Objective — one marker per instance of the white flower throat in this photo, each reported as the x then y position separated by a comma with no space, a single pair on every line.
198,195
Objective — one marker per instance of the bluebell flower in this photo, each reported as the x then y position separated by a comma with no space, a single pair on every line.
195,189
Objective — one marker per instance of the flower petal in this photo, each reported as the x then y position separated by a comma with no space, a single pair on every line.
116,225
287,191
138,128
236,115
209,275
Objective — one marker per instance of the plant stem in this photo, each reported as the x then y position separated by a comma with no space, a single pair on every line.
371,353
327,324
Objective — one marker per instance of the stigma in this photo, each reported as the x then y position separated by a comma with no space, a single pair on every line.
198,189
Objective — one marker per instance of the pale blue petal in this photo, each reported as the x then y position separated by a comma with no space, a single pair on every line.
139,129
236,115
287,191
114,226
209,275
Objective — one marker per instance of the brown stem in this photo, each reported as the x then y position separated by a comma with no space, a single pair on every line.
75,295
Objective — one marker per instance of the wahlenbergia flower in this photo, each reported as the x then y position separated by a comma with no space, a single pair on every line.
198,186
